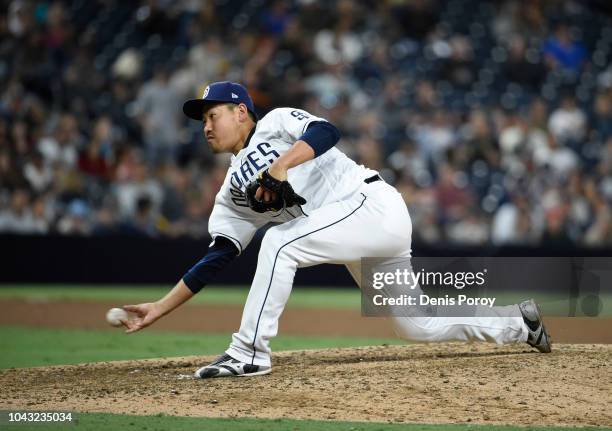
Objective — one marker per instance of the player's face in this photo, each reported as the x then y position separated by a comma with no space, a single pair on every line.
221,128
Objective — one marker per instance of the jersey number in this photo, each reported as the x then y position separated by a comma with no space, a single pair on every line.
299,115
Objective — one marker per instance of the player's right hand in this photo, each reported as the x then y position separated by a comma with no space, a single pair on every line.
146,314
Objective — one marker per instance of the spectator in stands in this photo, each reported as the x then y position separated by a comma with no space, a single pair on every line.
136,184
451,193
604,170
11,178
416,18
459,68
515,17
561,160
340,44
562,52
470,229
275,19
42,214
568,122
602,121
523,68
426,98
96,158
38,174
76,220
61,149
537,119
22,143
206,60
476,158
434,136
555,235
142,223
106,217
158,107
599,232
512,222
18,218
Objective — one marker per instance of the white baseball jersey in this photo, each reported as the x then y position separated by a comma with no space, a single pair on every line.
344,220
328,178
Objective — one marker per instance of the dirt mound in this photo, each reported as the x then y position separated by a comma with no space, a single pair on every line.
441,383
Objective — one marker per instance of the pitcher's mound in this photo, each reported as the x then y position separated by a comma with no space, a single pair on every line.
441,383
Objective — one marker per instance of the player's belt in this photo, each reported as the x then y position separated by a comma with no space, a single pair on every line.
373,179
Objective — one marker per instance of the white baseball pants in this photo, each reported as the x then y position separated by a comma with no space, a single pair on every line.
373,223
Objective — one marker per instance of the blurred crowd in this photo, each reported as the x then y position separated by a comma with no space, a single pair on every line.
493,118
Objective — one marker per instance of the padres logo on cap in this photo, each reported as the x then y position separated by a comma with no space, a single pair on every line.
206,92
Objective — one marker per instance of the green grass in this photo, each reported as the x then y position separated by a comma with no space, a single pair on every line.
105,421
29,347
332,297
26,347
320,297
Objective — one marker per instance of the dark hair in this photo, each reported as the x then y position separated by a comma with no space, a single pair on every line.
231,107
143,204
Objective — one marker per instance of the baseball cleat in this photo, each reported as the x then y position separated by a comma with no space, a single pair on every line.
226,366
538,337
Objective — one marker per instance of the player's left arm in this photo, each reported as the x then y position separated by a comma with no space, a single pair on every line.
319,137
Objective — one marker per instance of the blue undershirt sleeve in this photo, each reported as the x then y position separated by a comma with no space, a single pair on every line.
222,252
321,136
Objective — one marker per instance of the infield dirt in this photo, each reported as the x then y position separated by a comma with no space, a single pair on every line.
441,383
437,383
294,321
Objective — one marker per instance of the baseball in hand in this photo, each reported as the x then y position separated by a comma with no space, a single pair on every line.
114,316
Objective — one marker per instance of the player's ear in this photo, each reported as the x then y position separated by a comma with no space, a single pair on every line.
243,113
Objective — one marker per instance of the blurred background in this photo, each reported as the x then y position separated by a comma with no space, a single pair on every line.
493,118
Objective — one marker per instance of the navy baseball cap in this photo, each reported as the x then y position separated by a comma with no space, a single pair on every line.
219,92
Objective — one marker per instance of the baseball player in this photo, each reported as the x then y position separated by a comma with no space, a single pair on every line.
326,209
